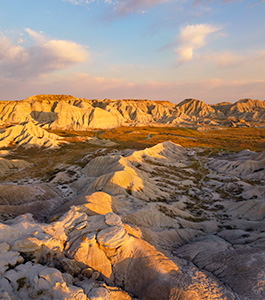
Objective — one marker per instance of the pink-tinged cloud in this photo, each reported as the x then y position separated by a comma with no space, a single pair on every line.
191,38
125,7
44,56
87,86
226,1
258,2
228,59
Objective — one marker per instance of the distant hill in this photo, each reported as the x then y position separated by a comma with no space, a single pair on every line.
65,112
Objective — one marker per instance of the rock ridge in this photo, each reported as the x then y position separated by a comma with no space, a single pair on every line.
65,112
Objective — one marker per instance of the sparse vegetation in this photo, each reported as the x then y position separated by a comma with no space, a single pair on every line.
231,139
167,211
129,190
21,282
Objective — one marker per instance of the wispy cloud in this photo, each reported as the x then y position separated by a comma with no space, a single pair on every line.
84,85
258,2
44,56
125,7
191,38
80,2
209,1
227,59
121,8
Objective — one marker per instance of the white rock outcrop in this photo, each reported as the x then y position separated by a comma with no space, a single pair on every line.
111,253
29,135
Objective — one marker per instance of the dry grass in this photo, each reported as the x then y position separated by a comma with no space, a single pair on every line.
43,161
231,139
73,134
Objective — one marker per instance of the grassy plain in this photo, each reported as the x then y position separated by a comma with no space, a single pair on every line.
230,139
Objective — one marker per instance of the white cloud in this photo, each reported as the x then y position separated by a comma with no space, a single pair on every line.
44,56
193,37
36,36
9,52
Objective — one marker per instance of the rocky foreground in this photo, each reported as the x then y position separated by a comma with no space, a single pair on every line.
60,112
161,223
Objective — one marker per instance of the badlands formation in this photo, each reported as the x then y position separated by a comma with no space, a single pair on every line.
96,220
60,112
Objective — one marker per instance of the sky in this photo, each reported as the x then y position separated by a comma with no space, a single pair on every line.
211,50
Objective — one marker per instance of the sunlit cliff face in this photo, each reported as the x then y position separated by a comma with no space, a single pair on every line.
59,112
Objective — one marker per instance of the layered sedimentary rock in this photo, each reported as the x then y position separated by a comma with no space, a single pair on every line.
69,113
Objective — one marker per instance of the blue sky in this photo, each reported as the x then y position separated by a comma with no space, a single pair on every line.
212,50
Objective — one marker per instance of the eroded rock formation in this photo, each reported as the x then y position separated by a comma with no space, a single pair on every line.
69,113
161,223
